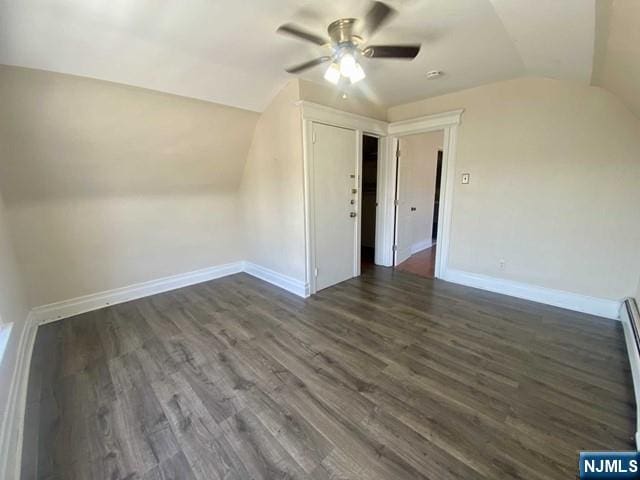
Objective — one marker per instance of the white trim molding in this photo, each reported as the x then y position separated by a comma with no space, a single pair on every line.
297,287
557,298
315,112
630,318
426,123
94,301
12,428
87,303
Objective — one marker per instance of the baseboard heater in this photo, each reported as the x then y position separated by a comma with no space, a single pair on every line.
630,317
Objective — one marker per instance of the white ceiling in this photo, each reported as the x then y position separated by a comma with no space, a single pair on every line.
228,52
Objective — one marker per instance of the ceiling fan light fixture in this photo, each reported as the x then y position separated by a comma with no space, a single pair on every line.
357,74
332,75
347,65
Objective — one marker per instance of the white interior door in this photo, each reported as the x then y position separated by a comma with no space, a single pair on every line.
403,216
335,200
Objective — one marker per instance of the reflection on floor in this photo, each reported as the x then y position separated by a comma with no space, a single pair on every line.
422,263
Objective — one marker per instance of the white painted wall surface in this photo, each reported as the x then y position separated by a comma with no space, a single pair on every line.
107,185
272,189
419,158
555,169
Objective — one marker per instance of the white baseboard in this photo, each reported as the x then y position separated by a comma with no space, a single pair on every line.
76,306
558,298
422,245
12,428
94,301
297,287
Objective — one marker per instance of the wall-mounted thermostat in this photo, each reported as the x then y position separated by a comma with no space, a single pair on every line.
465,178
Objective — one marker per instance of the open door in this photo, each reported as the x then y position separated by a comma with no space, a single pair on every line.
402,249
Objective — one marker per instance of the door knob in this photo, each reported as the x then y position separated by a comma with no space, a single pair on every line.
352,214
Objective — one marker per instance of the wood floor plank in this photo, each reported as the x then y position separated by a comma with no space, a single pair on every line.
386,376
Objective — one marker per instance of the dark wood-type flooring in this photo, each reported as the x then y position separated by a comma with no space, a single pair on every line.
387,376
422,263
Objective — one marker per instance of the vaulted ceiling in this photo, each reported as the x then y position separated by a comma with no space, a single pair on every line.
228,52
617,56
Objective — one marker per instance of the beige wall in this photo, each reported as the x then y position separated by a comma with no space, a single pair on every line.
107,185
272,188
13,309
356,101
555,169
419,161
13,301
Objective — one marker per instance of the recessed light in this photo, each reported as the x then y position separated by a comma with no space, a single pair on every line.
434,74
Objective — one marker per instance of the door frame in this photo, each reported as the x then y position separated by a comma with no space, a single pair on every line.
314,113
448,122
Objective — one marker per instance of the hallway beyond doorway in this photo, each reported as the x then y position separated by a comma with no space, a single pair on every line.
422,263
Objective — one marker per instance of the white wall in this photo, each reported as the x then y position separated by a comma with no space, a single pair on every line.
555,169
272,188
107,185
13,310
419,161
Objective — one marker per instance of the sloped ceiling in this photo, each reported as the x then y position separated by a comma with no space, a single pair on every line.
65,137
617,56
228,52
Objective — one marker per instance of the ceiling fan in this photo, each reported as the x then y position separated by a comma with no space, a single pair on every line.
346,43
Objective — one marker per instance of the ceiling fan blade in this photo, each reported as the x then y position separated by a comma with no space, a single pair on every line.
379,14
295,31
306,65
392,51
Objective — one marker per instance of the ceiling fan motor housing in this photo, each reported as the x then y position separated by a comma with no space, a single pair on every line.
341,32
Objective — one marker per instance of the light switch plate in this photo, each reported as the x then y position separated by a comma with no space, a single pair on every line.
465,178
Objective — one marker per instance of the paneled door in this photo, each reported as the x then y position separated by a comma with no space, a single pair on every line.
335,198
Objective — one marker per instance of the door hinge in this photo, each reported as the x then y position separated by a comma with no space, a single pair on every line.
395,248
395,202
315,272
313,136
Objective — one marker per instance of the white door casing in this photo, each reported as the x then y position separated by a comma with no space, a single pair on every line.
313,114
335,192
449,122
389,134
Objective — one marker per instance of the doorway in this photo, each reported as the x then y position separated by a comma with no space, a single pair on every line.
418,181
369,201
